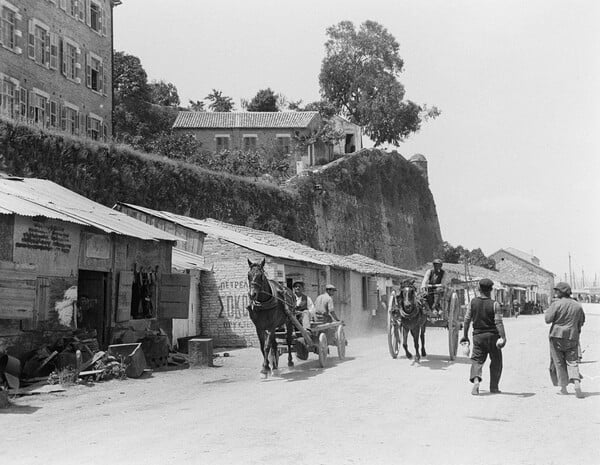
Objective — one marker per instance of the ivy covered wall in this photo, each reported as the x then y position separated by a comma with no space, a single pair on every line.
373,203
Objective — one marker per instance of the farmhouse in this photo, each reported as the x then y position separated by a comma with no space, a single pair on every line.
292,133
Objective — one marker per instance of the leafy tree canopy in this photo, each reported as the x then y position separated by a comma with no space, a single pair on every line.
264,100
164,93
219,102
359,77
459,254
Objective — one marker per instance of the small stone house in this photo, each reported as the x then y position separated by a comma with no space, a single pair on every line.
68,264
287,132
527,268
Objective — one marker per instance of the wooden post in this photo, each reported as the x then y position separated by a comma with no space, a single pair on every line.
200,351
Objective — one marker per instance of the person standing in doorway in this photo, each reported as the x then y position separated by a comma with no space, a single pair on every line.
324,306
488,336
566,316
304,308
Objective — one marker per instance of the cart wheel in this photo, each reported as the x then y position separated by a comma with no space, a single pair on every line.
323,350
393,331
340,337
453,326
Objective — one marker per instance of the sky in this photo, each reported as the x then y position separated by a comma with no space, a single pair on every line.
514,157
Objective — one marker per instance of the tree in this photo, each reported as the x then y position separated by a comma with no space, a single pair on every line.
459,254
164,93
197,105
219,102
359,77
264,100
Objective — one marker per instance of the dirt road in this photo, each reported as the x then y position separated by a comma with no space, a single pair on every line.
368,409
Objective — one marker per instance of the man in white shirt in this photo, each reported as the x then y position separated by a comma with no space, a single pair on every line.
305,309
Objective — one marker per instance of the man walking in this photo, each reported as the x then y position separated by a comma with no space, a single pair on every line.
488,336
566,317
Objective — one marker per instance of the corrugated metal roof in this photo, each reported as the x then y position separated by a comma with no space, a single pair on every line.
40,197
252,238
214,229
249,120
184,260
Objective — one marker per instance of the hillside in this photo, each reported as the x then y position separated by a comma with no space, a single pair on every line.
372,203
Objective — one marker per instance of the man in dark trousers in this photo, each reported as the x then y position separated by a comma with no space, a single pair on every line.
488,336
567,317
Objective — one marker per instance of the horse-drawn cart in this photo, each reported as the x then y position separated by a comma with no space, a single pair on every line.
317,340
445,314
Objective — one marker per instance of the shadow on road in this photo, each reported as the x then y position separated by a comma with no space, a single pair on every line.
504,393
438,362
19,409
309,369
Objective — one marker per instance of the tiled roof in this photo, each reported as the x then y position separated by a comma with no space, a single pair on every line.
522,256
277,246
246,120
39,197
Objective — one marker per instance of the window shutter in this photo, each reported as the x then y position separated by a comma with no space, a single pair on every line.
82,10
105,80
23,98
47,48
88,17
62,55
101,78
174,295
63,118
103,19
87,125
81,124
88,70
53,51
124,296
1,34
46,121
53,121
31,41
17,299
31,108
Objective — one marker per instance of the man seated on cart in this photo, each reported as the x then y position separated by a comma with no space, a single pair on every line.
304,309
324,306
434,287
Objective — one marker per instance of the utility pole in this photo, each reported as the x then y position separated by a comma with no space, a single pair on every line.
570,272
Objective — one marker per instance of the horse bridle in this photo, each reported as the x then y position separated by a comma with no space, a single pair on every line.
254,283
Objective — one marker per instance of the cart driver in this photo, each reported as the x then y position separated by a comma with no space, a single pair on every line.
304,308
434,286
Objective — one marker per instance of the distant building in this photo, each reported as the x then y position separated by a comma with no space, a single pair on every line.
527,268
56,64
290,132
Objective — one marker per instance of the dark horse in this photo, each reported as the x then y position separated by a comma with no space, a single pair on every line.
412,318
267,310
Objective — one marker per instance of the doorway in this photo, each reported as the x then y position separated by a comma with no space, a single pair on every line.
92,288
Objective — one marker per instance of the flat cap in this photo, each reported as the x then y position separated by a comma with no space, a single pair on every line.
330,287
438,262
486,283
563,287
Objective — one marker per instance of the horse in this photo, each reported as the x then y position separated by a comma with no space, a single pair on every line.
267,310
412,318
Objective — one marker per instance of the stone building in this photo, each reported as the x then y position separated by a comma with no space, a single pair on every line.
287,132
56,64
527,268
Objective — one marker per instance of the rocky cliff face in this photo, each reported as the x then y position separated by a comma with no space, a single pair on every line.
377,204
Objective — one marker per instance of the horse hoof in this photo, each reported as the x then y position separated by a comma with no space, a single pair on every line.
264,375
290,364
423,353
276,373
408,356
